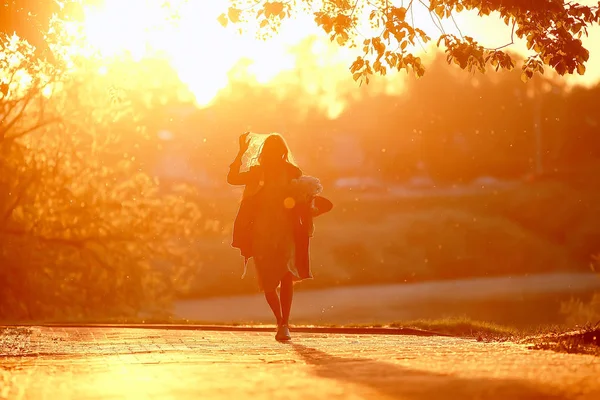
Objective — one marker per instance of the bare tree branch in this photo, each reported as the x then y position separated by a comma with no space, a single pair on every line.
512,39
457,27
35,127
4,129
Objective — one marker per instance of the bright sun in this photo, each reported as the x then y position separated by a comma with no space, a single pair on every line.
203,53
195,44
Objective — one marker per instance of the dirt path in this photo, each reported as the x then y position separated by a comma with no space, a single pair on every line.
101,363
384,303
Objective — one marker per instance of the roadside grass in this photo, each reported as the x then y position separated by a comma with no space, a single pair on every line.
368,241
463,327
452,326
14,340
582,341
555,338
14,330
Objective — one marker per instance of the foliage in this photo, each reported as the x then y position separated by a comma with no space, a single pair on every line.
578,312
585,341
581,313
84,231
462,327
29,18
402,240
551,28
493,134
32,20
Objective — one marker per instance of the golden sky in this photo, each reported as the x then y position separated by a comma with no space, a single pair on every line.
203,52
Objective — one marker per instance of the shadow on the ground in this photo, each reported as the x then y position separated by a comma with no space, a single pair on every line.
399,382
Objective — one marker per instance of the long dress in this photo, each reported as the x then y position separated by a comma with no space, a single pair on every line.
274,223
273,245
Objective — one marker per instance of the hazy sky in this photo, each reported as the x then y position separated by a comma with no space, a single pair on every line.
203,52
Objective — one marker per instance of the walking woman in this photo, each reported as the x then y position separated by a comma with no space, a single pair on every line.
274,221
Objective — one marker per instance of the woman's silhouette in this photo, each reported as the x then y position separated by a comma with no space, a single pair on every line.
274,222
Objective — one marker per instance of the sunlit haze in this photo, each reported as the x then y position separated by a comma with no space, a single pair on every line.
197,46
185,186
203,52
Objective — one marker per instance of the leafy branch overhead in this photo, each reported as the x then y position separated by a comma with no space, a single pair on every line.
552,30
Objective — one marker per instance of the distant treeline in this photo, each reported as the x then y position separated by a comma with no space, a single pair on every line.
453,125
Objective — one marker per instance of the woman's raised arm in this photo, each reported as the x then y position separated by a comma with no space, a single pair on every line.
235,177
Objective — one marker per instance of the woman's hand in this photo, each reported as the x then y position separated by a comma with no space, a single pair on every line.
244,142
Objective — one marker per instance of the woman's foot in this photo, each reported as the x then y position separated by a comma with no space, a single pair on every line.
283,333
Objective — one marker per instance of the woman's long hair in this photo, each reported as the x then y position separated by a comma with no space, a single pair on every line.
273,148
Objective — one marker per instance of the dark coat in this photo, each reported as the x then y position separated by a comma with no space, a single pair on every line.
301,214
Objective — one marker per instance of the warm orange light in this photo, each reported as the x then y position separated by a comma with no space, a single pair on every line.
204,53
195,44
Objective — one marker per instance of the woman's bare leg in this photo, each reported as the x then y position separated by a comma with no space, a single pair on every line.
275,305
287,295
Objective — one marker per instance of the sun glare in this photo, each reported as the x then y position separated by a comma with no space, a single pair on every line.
199,49
203,53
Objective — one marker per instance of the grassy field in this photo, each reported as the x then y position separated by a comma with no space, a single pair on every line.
538,228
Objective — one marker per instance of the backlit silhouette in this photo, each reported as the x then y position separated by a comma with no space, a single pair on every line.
274,222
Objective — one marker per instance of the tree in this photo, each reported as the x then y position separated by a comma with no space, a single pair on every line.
552,28
84,231
30,19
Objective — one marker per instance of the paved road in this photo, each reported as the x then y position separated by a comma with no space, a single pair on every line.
389,303
106,363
